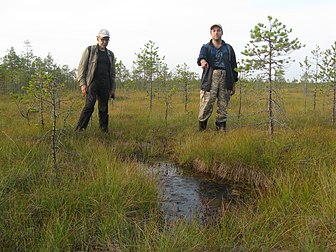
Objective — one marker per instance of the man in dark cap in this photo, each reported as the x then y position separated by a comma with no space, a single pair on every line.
219,76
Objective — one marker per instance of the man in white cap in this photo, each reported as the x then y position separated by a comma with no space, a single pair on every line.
96,77
219,76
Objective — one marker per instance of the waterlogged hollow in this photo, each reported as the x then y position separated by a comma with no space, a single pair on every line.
187,194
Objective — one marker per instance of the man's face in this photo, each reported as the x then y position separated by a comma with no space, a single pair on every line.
103,42
216,33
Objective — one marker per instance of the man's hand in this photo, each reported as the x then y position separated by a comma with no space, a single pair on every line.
84,89
233,91
204,64
112,95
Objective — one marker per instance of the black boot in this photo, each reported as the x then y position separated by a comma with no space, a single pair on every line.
221,126
105,130
79,129
203,125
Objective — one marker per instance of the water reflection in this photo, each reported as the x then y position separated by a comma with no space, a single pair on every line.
186,194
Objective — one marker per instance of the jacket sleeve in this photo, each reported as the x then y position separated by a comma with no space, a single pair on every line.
202,54
234,65
113,73
83,67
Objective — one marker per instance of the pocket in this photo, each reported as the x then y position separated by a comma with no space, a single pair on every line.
204,95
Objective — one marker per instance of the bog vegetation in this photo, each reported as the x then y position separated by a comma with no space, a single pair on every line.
62,190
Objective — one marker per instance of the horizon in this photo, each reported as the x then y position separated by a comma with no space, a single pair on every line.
178,32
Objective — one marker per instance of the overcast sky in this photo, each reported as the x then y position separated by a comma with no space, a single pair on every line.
178,27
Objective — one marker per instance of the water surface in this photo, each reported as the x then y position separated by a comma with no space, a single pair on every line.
188,194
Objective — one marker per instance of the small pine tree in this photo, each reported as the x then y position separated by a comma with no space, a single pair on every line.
268,52
184,76
328,73
147,63
306,78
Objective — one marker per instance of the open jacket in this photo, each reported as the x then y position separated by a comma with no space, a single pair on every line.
208,52
88,64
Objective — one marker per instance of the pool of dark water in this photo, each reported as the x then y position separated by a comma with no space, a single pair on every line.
187,194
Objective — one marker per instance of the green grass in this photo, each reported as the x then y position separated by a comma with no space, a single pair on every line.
98,199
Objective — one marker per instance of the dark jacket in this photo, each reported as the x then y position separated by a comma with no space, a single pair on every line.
88,64
208,53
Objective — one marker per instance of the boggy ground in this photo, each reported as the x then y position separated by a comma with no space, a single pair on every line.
97,200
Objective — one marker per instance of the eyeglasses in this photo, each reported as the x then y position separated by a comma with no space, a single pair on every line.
105,39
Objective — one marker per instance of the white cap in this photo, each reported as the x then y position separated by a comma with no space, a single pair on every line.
218,25
103,33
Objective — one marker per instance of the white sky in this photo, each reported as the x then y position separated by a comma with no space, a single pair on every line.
178,27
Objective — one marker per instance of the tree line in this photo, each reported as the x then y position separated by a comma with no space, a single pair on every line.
267,55
16,71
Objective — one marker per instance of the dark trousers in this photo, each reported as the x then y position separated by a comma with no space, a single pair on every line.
98,89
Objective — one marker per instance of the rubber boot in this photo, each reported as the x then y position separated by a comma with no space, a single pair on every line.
79,129
202,125
221,126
